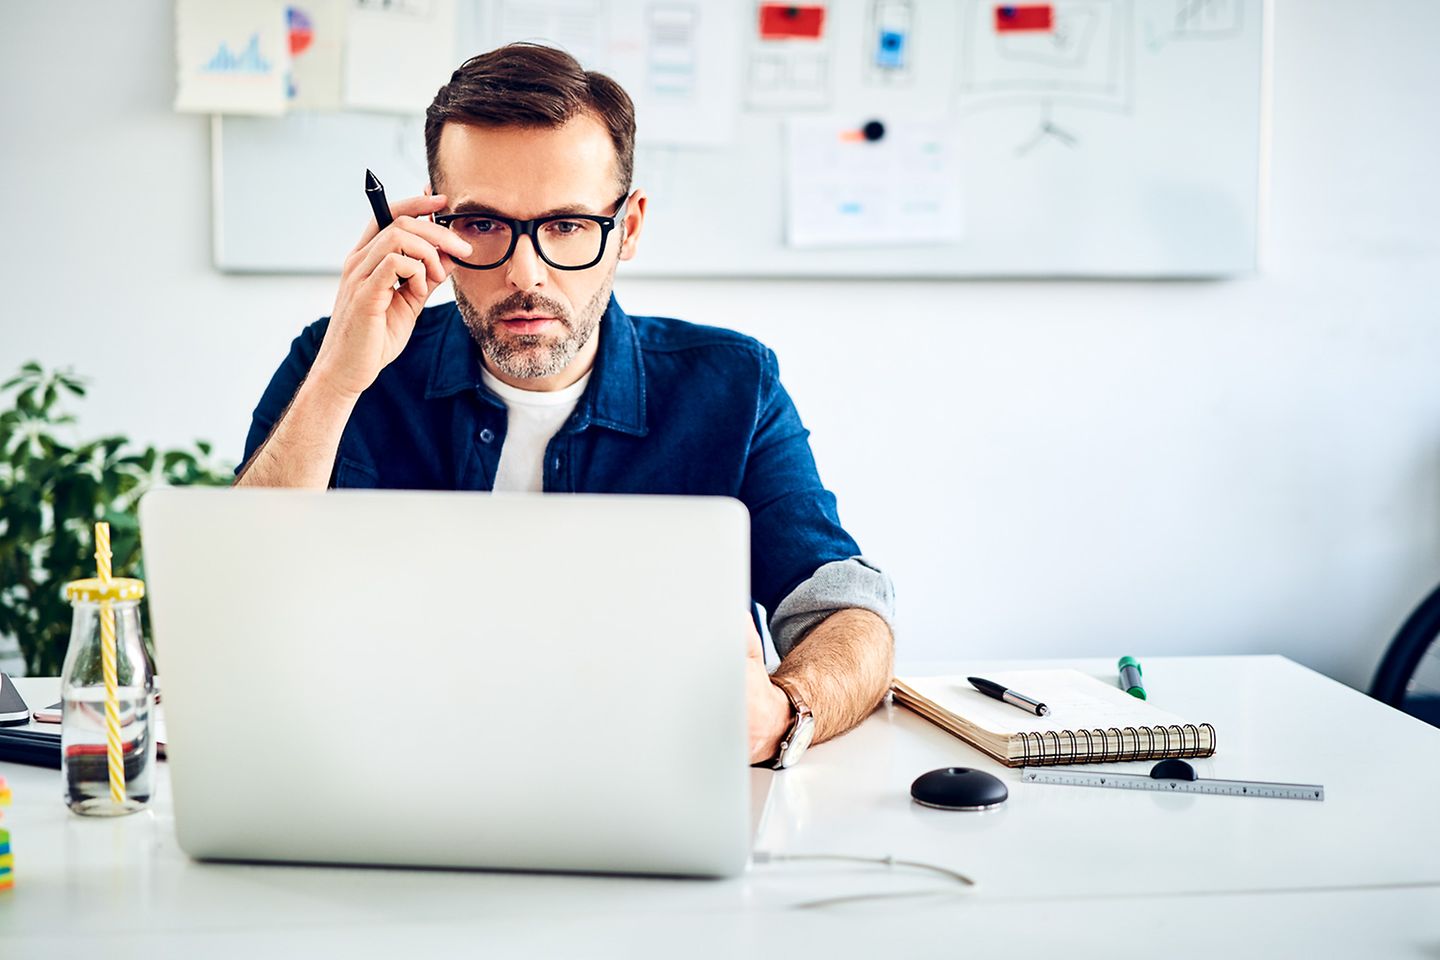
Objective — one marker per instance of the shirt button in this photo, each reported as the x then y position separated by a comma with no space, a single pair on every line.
487,435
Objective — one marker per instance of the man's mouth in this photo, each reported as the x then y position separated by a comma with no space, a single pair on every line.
524,323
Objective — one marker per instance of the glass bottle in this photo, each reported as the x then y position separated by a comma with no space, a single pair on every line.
85,724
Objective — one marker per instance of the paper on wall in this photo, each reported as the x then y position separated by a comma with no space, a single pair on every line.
398,53
842,189
231,57
317,48
579,27
790,60
679,60
680,63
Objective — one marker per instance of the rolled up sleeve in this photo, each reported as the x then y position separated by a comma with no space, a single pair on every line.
854,583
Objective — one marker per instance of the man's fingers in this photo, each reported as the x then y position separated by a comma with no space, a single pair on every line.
419,239
393,269
399,240
409,207
442,237
754,651
414,292
421,206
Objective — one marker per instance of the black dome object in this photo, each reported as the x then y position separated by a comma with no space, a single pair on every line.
959,788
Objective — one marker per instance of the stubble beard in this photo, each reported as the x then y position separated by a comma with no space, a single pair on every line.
530,356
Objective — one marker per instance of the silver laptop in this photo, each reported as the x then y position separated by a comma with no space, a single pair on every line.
454,679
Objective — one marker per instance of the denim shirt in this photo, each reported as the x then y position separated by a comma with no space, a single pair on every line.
671,408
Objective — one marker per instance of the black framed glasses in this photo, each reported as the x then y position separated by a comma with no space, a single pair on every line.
567,241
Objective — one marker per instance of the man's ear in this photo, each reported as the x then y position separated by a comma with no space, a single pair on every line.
634,221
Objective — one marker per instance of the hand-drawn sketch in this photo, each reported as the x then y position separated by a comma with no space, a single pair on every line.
889,43
1074,53
673,52
1197,20
575,26
789,58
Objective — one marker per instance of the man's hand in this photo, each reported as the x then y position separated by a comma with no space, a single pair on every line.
373,318
768,706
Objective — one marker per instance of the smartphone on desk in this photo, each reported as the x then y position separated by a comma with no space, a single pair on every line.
13,710
50,714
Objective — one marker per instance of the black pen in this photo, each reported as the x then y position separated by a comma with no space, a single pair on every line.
375,193
992,689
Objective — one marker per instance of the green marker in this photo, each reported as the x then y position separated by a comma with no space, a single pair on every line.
1130,680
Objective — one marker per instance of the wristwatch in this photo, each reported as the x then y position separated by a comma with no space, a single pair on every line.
801,730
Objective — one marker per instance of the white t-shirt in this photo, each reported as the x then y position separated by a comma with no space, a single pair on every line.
531,419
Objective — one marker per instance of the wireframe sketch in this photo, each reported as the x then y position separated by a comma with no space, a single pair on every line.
576,26
788,65
1040,56
672,55
888,55
1197,20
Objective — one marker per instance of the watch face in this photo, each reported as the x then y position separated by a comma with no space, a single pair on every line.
799,741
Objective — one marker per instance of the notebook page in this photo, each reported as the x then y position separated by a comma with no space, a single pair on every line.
1076,701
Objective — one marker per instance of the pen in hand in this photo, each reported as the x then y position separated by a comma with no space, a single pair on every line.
375,193
992,689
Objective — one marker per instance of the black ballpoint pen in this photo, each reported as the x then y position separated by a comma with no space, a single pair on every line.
375,193
992,689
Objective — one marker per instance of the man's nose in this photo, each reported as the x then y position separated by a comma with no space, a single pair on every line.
525,270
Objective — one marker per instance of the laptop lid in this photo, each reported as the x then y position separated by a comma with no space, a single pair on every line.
549,682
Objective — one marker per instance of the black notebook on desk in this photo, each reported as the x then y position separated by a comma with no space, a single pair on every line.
1090,721
38,744
38,748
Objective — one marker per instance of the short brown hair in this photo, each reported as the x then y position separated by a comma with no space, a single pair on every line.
530,85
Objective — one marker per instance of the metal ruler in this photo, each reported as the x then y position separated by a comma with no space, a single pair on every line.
1140,781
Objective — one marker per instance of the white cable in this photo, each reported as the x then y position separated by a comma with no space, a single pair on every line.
760,857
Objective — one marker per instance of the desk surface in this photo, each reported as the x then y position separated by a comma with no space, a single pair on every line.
1283,874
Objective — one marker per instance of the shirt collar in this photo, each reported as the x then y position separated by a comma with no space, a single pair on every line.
614,399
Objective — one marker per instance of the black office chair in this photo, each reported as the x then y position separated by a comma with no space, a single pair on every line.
1409,674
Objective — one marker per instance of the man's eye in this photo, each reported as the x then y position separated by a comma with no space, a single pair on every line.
477,227
566,228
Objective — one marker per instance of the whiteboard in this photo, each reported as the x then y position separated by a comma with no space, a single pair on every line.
1127,141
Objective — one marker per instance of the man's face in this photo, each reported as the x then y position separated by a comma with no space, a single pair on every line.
535,324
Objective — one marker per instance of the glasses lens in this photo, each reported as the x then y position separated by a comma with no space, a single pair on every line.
488,239
570,243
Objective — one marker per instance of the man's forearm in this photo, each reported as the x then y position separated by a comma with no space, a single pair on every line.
300,451
843,668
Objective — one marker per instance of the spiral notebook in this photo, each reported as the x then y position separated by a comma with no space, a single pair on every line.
1090,721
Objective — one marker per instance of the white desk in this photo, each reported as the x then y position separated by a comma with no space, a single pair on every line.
1087,872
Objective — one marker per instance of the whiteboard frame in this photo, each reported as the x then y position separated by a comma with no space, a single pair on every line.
775,260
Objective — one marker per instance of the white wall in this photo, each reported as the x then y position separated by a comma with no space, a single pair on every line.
1045,468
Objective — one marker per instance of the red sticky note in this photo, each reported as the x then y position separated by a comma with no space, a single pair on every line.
788,21
1024,16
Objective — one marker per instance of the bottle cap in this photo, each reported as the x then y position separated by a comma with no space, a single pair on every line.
95,590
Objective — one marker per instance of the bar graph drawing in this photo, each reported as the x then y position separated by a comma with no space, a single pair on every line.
248,60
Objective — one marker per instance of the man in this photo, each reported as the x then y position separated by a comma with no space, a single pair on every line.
535,379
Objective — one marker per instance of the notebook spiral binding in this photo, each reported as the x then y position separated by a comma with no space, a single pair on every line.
1158,744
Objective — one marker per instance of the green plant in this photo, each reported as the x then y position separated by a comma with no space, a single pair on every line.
53,489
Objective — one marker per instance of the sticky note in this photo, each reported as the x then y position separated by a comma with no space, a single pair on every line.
1011,17
788,21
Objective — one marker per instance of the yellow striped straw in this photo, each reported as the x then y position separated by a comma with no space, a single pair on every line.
114,751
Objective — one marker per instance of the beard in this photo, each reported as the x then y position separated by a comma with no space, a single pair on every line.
530,356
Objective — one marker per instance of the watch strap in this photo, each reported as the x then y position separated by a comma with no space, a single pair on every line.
783,758
797,701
